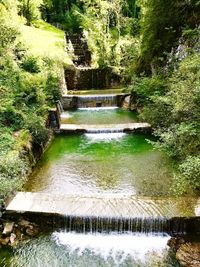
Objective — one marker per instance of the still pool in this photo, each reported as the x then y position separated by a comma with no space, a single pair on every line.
108,115
102,163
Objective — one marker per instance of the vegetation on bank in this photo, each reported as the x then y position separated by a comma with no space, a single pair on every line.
30,77
168,84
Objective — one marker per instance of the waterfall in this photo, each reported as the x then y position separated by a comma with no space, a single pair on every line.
113,130
60,107
121,225
97,101
99,109
103,136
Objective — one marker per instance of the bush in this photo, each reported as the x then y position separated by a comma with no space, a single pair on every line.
31,64
39,133
189,176
13,170
52,88
29,9
6,140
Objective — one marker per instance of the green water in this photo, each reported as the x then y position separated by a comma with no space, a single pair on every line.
89,164
104,163
115,116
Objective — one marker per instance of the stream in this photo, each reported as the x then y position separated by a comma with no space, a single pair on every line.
98,164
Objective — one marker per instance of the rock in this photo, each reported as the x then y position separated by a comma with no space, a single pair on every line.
8,228
24,223
18,233
32,231
4,241
189,254
126,102
12,238
175,243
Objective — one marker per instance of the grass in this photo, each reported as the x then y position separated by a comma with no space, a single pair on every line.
45,40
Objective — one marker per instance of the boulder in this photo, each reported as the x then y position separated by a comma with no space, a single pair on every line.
12,238
4,241
175,242
188,254
24,223
126,103
8,228
32,230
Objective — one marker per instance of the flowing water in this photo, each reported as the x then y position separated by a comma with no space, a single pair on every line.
99,164
70,249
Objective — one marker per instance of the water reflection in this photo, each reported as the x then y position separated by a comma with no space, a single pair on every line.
81,165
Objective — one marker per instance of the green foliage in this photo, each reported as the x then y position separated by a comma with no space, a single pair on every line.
180,140
31,64
29,84
13,169
37,129
109,33
162,25
53,94
188,178
6,140
29,9
172,106
146,88
62,12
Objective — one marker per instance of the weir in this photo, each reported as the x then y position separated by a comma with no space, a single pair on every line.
107,128
75,101
109,212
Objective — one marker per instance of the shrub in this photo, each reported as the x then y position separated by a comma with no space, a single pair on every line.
31,64
52,88
13,170
39,133
188,177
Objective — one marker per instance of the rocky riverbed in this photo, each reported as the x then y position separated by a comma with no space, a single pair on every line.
21,230
12,233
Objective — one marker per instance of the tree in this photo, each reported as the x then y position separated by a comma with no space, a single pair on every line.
162,25
29,9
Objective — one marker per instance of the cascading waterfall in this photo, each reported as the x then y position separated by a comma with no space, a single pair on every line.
147,225
100,135
135,233
98,108
97,101
60,107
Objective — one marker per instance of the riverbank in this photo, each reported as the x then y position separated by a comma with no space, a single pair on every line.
31,80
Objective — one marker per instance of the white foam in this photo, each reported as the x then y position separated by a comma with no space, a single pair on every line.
99,108
97,96
104,136
138,246
65,115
